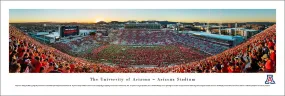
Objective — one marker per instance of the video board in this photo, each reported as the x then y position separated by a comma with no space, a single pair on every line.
69,31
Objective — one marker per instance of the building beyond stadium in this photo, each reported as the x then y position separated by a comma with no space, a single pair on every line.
63,32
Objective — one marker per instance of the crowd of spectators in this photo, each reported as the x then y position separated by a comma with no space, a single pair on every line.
145,37
77,46
200,44
147,55
257,54
167,37
34,57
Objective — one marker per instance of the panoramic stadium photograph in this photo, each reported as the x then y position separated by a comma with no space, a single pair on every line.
142,41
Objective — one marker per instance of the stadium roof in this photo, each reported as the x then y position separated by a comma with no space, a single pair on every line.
42,33
53,35
87,31
236,28
215,36
250,30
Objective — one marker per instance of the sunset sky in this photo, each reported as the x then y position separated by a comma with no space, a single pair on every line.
177,15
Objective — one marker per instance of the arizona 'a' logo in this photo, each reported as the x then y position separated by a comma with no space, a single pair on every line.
269,80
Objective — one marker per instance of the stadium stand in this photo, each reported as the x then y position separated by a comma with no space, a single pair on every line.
258,54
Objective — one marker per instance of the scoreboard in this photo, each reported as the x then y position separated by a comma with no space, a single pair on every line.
69,31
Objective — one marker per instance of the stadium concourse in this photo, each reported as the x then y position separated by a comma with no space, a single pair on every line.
166,37
257,54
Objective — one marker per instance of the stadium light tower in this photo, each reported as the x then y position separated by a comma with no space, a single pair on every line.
208,25
221,24
220,28
235,28
59,27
